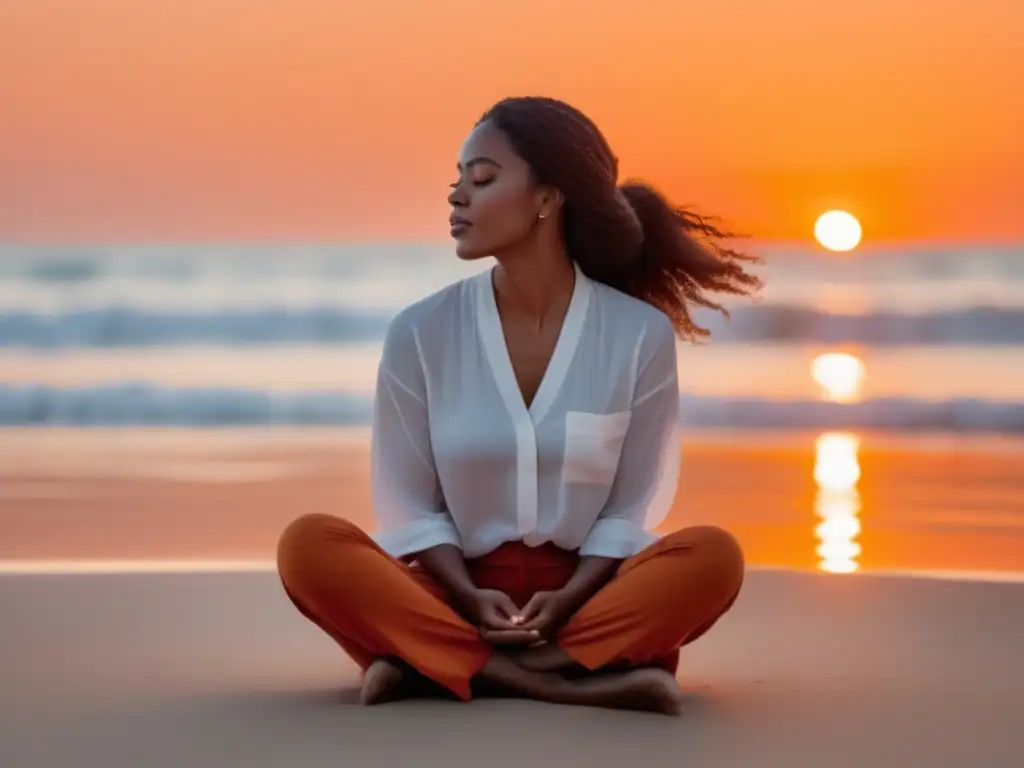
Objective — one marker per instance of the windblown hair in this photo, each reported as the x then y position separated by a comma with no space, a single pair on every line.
625,235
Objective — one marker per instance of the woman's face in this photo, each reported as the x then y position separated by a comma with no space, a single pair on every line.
495,203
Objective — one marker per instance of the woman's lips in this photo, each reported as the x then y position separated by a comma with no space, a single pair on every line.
459,226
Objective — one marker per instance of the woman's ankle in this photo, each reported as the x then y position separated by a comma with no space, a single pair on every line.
547,658
502,670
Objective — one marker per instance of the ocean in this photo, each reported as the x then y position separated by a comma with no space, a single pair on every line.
900,340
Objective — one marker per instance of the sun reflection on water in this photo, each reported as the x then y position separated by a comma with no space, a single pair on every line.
837,472
837,467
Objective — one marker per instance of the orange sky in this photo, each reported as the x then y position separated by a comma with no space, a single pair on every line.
127,120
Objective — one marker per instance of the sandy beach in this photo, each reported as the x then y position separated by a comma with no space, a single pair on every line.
209,669
145,627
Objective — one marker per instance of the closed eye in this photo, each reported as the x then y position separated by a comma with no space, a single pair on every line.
480,183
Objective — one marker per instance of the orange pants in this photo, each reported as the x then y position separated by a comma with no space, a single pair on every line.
374,605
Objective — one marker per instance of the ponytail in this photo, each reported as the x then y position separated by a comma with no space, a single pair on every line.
682,260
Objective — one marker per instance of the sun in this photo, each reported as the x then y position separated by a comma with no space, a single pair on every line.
837,231
840,375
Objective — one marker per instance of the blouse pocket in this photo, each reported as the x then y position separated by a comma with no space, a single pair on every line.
593,444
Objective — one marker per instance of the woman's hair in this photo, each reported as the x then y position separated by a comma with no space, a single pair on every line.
624,235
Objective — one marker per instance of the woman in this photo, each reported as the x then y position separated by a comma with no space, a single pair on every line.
525,442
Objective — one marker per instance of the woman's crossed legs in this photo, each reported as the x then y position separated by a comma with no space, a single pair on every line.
378,609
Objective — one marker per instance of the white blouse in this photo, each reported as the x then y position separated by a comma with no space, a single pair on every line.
458,458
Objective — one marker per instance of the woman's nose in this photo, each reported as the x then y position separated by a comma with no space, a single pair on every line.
457,196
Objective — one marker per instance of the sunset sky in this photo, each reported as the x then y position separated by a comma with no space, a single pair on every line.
197,120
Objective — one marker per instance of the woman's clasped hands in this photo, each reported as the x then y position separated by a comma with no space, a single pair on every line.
503,623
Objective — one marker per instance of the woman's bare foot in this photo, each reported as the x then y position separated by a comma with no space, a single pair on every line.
650,690
382,682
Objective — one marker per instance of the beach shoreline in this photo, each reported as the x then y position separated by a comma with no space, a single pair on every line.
931,504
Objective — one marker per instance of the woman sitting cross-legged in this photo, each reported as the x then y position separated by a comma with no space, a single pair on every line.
526,443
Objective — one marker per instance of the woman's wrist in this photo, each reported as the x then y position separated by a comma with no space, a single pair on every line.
591,575
576,595
446,565
464,594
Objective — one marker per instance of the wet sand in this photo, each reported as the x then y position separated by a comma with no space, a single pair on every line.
932,504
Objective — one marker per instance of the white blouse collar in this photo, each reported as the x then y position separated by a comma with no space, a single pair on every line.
489,323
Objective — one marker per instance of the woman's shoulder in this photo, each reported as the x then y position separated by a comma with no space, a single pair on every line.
437,307
632,315
414,333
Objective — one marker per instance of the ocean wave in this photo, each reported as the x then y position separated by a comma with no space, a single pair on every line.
175,262
133,403
131,327
127,327
140,404
980,325
901,414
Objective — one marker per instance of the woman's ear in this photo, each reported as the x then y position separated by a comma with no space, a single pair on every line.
551,201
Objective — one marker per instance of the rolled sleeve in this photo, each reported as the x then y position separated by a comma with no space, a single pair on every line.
616,538
417,536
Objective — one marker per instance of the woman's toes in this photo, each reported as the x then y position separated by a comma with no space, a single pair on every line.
381,682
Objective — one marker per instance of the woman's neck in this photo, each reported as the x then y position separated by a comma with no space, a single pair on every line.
536,288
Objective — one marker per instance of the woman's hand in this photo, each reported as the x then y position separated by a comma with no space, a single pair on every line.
498,618
547,611
492,609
